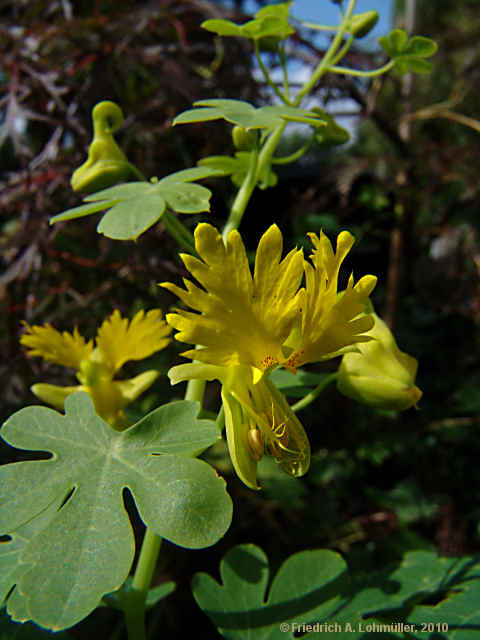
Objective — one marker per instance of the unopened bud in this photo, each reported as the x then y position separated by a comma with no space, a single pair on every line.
243,139
379,374
362,23
106,164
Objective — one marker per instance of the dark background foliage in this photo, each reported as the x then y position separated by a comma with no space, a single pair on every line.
380,483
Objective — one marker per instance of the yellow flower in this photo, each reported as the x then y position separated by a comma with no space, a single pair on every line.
117,341
248,325
379,374
242,320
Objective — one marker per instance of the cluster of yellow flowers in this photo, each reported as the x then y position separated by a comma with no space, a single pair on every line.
287,314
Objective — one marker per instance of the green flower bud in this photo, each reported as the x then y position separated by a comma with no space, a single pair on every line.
332,134
379,374
106,164
243,139
362,23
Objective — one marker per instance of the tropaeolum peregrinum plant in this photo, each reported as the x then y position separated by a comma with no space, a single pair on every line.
68,542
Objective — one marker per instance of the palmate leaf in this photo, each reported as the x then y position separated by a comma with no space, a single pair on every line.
246,115
409,54
314,587
134,207
269,22
83,548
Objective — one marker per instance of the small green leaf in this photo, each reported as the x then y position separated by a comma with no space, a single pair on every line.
408,54
86,548
269,22
134,207
246,115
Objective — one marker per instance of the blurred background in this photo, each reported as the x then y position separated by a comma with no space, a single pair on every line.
406,185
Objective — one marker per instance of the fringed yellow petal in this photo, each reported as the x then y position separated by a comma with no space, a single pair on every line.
64,348
329,319
120,340
242,320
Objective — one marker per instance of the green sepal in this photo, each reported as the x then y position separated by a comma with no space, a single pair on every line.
73,501
408,54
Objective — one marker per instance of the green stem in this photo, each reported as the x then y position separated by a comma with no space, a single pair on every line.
310,397
283,62
243,196
343,51
136,172
176,229
314,25
295,155
362,74
267,75
326,60
137,595
195,390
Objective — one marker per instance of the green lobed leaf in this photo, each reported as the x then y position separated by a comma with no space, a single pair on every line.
271,21
130,218
86,548
246,115
134,207
313,587
409,54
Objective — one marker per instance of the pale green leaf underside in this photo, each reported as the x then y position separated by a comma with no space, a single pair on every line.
246,115
134,207
314,586
84,549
